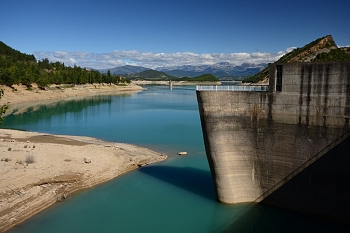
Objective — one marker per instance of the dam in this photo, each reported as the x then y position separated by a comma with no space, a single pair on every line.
285,144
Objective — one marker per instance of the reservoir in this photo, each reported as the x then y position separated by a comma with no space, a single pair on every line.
176,195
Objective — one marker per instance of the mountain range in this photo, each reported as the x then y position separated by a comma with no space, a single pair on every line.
123,70
222,70
322,49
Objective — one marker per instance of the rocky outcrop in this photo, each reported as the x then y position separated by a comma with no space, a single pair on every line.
324,45
304,54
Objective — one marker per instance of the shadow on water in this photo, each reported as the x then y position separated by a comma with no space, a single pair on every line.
191,179
239,217
262,218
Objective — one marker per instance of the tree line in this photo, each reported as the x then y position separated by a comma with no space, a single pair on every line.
201,78
20,68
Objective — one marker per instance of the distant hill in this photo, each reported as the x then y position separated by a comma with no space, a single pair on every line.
155,75
201,78
123,70
322,49
150,75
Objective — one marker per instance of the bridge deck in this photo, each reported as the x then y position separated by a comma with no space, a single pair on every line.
263,88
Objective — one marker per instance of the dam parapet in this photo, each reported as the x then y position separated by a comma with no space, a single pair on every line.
283,137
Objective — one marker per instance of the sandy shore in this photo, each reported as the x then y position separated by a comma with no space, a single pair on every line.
21,98
37,170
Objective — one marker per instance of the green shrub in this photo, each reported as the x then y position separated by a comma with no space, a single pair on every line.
30,159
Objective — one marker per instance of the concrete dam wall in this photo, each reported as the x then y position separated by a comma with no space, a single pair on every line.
288,146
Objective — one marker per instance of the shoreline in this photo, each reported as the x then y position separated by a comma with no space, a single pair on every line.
20,98
37,170
59,166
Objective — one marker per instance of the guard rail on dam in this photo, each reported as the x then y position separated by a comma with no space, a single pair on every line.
287,144
232,88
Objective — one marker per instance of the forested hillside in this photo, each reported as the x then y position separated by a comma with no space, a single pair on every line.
201,78
150,75
340,54
20,68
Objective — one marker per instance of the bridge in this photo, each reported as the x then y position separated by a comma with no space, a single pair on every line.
286,144
232,88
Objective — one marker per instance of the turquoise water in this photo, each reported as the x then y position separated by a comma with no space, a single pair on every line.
176,195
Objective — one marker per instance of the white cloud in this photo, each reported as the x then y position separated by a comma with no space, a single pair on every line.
72,60
290,49
343,46
153,60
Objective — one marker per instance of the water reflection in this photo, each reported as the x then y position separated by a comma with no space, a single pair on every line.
18,114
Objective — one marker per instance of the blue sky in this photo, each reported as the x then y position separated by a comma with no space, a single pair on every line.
151,33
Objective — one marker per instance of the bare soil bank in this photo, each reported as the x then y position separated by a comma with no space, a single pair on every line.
37,170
